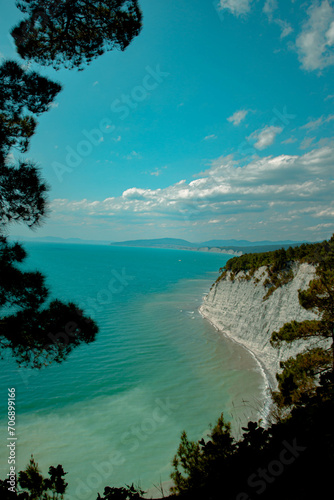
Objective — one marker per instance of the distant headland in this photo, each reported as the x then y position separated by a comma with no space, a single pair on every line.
230,246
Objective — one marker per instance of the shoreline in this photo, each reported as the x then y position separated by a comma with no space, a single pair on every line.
268,376
237,310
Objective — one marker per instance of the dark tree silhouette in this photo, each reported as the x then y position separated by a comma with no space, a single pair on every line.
33,486
56,482
36,332
18,288
128,493
291,459
70,33
32,480
37,335
22,194
61,33
23,95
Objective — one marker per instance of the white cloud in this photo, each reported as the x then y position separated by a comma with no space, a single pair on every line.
238,117
265,137
157,171
307,142
315,43
291,183
320,227
314,124
330,34
136,194
236,7
269,7
286,28
210,137
291,140
327,212
283,195
133,155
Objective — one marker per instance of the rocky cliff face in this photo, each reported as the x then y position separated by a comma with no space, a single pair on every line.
238,310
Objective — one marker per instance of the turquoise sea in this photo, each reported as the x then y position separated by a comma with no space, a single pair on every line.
113,412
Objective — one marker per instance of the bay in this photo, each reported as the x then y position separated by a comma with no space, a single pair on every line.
113,412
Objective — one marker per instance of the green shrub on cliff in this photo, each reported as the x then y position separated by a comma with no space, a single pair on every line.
301,375
278,263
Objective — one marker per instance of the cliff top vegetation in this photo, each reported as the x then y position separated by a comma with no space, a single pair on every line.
277,260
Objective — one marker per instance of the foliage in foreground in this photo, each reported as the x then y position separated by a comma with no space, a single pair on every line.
70,34
128,493
31,485
36,332
67,34
24,96
291,459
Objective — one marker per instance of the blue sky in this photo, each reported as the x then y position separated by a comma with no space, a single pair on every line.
216,122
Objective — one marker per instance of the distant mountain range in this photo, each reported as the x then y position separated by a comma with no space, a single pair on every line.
236,246
211,243
159,242
232,245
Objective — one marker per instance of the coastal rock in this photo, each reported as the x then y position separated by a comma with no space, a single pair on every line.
237,309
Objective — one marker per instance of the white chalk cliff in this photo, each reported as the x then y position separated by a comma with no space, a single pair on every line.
237,309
